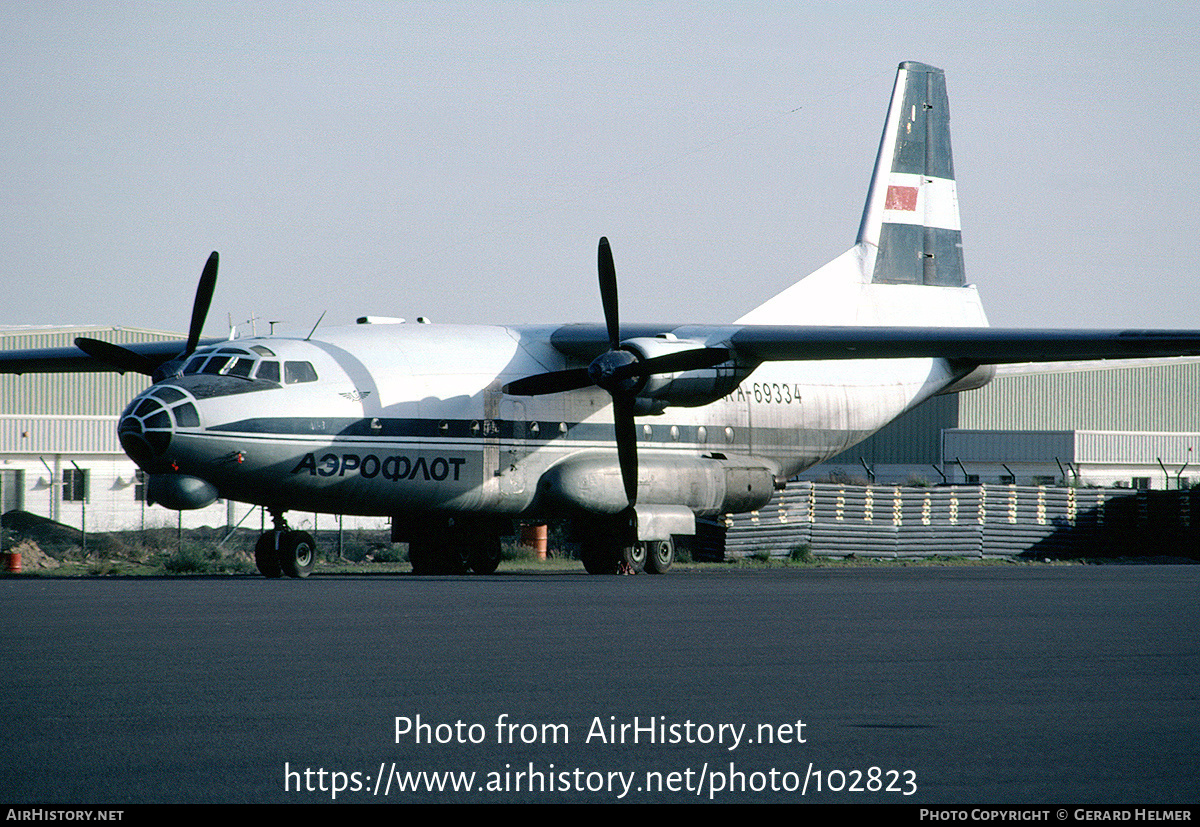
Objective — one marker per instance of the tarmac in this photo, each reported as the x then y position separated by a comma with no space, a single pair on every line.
1016,686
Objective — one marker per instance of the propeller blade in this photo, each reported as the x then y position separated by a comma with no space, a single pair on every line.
558,381
608,293
561,381
121,358
680,362
204,294
626,432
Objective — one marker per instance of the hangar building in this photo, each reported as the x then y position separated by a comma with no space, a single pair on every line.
1112,424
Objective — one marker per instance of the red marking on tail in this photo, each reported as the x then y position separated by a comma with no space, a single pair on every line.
901,198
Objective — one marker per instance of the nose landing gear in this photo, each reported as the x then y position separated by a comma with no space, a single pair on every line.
285,551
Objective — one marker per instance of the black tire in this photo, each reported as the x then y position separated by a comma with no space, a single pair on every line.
297,553
484,555
598,558
265,556
450,560
660,554
633,558
420,555
607,555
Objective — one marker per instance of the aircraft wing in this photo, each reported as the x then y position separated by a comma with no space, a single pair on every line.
74,360
977,345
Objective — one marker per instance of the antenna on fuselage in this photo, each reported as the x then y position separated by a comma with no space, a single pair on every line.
314,330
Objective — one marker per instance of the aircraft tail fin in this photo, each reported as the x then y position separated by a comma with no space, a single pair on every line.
907,265
911,215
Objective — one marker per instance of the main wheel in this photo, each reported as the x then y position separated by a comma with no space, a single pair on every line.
633,558
484,555
420,555
265,556
608,555
597,557
297,553
451,559
659,556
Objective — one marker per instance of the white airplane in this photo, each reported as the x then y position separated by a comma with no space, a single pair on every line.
628,431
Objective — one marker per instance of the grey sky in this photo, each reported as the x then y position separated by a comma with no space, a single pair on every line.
460,161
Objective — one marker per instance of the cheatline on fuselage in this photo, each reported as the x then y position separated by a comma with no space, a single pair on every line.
630,432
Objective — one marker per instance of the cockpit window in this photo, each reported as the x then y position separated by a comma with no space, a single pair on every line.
268,371
294,372
216,365
230,361
239,367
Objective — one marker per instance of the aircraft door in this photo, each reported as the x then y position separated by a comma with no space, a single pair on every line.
512,427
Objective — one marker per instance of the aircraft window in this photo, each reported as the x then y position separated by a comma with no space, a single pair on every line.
186,416
169,394
298,372
216,364
262,351
268,371
159,420
235,350
194,365
239,367
146,407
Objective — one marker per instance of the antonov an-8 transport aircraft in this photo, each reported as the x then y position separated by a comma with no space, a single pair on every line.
628,431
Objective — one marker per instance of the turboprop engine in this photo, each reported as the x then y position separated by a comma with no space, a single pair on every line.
685,388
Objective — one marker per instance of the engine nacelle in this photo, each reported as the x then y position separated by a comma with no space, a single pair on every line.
712,485
974,380
687,389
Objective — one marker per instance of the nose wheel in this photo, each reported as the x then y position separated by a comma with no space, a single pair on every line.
285,551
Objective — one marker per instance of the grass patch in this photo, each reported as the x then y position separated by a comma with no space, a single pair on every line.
802,554
205,559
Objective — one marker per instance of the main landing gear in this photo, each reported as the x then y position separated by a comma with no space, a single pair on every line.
285,551
610,554
450,546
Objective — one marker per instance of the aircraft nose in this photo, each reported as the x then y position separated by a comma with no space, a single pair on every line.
148,424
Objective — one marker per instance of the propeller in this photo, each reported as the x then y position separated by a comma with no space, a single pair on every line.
204,294
618,371
121,358
124,359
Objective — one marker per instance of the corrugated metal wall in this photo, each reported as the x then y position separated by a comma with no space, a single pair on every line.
1145,449
72,394
49,435
1009,446
1154,397
975,521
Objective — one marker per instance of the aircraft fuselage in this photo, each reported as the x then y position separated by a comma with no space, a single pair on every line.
404,419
